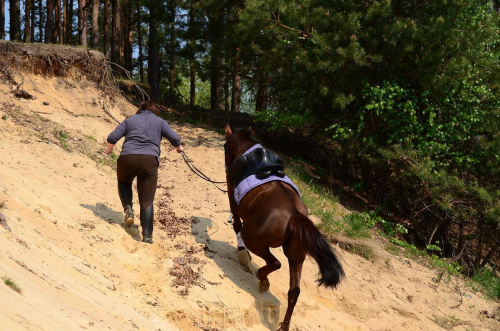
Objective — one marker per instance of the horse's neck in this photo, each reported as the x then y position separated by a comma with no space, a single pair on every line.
245,147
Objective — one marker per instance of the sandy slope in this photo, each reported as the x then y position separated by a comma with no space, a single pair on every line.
79,268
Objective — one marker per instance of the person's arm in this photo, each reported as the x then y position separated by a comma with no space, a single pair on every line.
172,136
114,136
109,148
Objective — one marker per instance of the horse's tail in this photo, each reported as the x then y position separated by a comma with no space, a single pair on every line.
330,269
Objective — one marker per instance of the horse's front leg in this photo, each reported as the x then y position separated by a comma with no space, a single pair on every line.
243,254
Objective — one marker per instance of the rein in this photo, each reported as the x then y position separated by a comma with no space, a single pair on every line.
200,174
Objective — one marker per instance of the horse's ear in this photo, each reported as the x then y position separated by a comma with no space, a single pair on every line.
228,131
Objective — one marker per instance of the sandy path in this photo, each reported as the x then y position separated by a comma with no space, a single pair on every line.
79,268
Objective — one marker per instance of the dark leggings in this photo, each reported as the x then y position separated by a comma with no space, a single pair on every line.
145,168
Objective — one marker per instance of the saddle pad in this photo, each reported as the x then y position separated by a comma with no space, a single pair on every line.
251,182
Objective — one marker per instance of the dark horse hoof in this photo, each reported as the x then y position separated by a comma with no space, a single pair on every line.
264,285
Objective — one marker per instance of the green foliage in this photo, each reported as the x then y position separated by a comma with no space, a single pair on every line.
202,92
10,283
319,200
488,281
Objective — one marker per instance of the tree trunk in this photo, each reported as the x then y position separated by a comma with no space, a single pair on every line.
127,35
41,19
83,14
27,21
95,24
236,91
2,19
153,57
116,45
227,99
171,90
32,24
139,42
49,25
68,23
107,39
57,37
192,61
262,97
216,88
15,20
216,81
479,245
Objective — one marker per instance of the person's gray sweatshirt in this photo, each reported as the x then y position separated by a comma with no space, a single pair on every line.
143,133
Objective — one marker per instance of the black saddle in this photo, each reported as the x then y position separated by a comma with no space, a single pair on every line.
261,162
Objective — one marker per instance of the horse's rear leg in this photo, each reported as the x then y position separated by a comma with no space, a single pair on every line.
272,264
296,256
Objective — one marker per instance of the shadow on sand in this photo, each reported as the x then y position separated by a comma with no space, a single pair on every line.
113,217
225,256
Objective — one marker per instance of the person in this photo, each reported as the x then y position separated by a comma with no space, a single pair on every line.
139,158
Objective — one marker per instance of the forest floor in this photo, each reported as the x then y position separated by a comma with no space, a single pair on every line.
62,242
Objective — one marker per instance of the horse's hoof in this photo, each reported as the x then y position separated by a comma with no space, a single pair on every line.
264,285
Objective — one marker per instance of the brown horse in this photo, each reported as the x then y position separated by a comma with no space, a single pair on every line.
274,215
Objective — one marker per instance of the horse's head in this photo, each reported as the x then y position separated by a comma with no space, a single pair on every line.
237,143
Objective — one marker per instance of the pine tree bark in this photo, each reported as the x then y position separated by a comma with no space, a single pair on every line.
27,21
216,88
57,37
49,25
106,29
139,42
41,19
83,14
171,90
2,19
127,34
116,45
262,97
227,95
68,22
95,24
192,60
15,20
216,81
236,91
33,22
153,57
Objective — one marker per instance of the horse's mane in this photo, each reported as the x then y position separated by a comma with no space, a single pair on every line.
246,134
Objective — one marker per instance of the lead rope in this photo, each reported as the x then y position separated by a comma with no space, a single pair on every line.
200,174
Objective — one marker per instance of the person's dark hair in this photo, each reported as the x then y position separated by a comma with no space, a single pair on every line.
149,105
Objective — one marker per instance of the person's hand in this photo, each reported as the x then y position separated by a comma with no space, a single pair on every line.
179,149
109,148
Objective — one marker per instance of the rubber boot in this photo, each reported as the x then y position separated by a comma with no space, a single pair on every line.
126,195
147,216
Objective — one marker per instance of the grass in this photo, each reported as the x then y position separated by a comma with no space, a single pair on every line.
486,281
10,283
447,322
319,200
63,138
